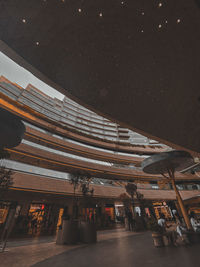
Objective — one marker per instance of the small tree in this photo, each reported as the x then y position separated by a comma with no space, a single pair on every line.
87,193
5,174
125,200
85,185
140,198
131,189
5,178
75,179
83,180
4,154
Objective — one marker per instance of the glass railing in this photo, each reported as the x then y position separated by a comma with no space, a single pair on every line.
85,159
46,173
84,145
18,166
65,154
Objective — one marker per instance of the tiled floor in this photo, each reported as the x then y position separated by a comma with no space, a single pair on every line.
114,248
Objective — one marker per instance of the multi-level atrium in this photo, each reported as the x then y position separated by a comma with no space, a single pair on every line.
62,137
129,74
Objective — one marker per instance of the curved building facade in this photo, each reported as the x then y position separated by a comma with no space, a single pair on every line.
62,137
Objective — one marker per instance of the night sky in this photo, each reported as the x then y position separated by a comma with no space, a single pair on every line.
136,61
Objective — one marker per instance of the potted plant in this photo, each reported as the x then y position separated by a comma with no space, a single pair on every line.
69,230
142,222
137,221
127,211
88,233
156,232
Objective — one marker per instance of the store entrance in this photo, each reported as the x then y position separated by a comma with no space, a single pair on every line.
42,219
4,209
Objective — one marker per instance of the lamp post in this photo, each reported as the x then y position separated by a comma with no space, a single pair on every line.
167,163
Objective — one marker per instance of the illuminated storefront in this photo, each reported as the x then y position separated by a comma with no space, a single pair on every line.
162,208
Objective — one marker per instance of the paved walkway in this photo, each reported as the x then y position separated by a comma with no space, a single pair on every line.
27,252
114,248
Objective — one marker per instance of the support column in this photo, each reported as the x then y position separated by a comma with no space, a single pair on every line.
182,206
